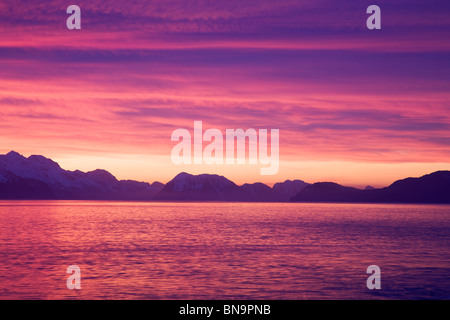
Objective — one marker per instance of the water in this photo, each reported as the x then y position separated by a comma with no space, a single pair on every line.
138,250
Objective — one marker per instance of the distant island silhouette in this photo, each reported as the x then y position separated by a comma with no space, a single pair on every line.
40,178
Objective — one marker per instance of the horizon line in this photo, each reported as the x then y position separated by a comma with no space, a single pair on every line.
216,174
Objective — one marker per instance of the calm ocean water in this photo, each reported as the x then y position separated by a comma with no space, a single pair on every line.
136,250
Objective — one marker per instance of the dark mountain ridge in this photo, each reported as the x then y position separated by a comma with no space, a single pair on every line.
212,187
37,177
430,188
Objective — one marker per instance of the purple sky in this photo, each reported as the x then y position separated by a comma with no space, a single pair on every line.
343,96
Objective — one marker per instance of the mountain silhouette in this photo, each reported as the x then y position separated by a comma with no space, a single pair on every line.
430,188
286,189
212,187
37,177
204,187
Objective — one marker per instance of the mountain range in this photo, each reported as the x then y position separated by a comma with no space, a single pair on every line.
430,188
211,187
37,177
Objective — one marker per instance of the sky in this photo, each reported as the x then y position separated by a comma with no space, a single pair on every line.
354,106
